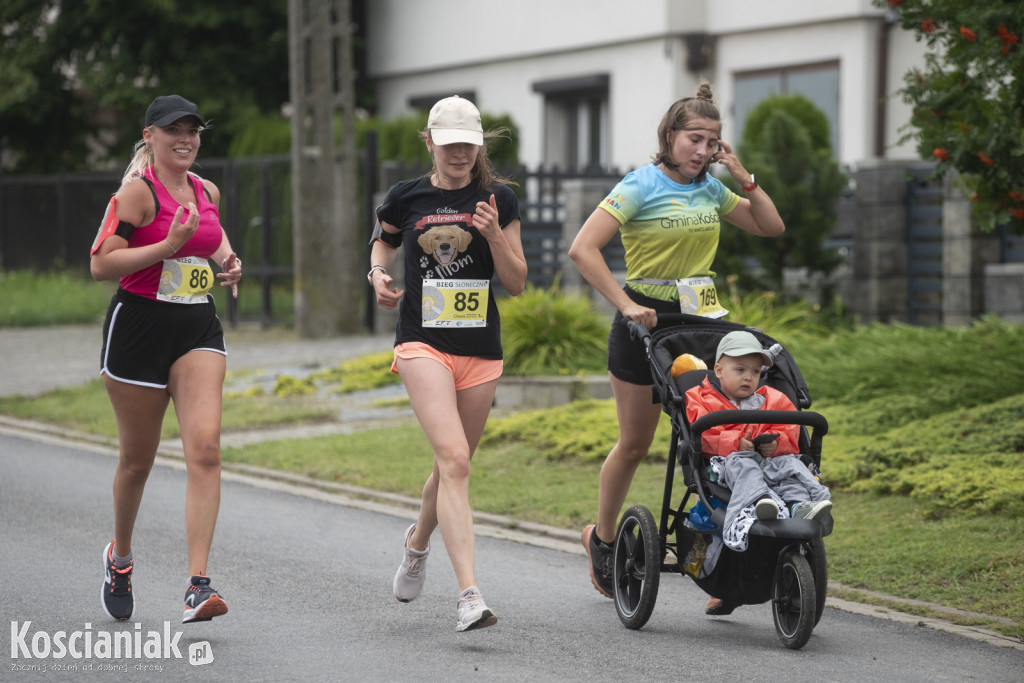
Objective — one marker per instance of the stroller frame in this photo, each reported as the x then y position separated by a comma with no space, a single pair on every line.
785,562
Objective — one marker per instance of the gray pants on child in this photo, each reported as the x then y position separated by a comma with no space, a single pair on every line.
751,477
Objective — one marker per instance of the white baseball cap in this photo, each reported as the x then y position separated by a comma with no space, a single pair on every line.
455,119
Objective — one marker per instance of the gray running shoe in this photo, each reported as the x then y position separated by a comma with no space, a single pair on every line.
810,509
473,613
413,571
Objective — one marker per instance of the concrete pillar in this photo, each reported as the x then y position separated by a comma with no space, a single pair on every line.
880,265
965,251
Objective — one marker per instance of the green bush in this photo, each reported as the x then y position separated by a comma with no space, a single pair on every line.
549,332
786,145
359,374
764,310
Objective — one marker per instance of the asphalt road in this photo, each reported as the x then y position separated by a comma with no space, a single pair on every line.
308,582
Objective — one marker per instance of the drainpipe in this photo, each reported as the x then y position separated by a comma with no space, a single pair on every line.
882,80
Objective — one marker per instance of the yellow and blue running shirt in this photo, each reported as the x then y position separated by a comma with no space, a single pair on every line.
670,231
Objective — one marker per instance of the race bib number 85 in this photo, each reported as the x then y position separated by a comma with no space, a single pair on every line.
455,303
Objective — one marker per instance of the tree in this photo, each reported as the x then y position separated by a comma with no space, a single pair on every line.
786,144
968,98
76,77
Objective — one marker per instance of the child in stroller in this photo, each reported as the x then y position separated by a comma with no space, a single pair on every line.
759,463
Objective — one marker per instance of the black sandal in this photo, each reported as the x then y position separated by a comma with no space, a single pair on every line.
721,610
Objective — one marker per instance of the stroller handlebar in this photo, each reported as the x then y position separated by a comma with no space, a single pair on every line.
637,331
801,417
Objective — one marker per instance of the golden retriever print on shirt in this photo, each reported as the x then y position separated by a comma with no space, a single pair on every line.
444,243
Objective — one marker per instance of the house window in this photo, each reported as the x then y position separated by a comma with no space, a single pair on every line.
428,101
576,131
818,82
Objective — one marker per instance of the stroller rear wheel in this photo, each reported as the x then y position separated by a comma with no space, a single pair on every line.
636,566
793,599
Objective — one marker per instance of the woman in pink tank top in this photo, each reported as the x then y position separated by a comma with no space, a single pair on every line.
163,341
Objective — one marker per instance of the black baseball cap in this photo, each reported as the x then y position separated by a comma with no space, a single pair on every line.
167,109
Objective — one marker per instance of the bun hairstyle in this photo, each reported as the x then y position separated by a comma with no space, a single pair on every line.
677,117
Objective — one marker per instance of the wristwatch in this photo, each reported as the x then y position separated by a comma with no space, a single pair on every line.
751,186
369,276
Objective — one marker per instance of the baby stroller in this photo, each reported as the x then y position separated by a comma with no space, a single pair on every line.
785,560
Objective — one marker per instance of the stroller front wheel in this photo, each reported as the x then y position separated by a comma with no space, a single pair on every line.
793,600
636,567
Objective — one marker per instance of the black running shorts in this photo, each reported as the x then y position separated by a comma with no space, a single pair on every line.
627,358
143,337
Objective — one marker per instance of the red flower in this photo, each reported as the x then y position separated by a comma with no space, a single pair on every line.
1017,213
940,154
975,197
1007,38
895,3
968,34
929,25
1016,196
986,160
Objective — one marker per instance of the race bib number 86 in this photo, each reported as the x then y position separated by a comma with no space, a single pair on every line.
185,280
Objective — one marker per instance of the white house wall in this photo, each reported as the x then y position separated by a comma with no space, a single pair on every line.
499,50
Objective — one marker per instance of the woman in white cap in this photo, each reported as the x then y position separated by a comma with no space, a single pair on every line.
459,226
669,213
162,341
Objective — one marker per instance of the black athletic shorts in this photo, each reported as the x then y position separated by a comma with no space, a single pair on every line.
143,337
627,358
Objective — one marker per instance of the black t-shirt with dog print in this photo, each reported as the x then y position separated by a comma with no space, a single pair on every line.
442,244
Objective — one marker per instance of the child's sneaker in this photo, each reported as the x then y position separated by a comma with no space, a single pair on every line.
600,555
202,602
117,598
810,509
413,571
473,613
766,509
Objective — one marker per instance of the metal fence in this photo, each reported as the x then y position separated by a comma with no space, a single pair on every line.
50,222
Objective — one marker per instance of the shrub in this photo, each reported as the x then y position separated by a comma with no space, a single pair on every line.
549,332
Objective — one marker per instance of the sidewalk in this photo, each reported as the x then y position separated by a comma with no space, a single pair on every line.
34,360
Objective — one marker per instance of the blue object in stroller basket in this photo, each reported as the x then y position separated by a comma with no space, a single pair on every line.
700,516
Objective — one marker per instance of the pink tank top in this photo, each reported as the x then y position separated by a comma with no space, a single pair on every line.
203,243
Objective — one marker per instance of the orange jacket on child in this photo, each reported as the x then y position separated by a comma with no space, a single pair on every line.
725,439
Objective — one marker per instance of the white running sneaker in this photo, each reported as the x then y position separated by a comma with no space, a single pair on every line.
766,509
473,613
413,571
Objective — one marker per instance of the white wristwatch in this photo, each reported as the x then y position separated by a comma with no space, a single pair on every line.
369,276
